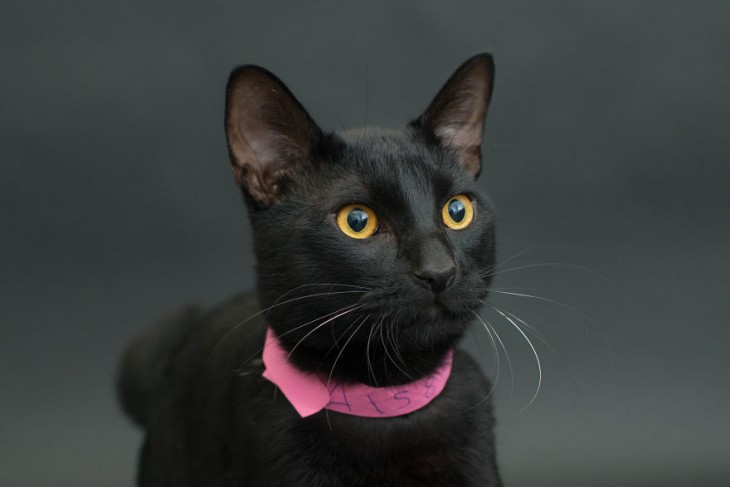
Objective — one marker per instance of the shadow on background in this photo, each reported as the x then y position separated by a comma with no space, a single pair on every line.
607,135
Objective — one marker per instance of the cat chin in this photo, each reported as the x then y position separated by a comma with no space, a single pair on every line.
443,310
438,313
428,336
436,319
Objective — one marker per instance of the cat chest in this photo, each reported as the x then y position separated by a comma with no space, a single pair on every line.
340,458
337,449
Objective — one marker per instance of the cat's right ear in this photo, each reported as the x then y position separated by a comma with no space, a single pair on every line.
270,135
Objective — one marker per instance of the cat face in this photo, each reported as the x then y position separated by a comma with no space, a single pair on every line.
366,232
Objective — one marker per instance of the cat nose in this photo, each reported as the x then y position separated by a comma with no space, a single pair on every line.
435,266
437,279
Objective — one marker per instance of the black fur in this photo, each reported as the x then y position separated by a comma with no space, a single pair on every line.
194,382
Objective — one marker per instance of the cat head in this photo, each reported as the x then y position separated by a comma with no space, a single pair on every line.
377,239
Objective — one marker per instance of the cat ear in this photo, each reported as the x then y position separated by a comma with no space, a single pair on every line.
456,115
270,135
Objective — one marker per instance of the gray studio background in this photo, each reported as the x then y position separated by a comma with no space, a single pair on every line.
606,148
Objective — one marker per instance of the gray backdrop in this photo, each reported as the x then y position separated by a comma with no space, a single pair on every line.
606,153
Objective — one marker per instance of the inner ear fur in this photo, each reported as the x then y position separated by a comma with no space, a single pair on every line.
456,115
270,135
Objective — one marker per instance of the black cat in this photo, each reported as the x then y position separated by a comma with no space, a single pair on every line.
372,249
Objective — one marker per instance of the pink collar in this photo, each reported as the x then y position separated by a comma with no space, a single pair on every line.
308,393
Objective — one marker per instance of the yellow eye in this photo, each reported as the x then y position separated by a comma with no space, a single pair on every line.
357,221
458,212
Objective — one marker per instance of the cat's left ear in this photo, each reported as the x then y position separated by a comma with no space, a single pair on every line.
457,113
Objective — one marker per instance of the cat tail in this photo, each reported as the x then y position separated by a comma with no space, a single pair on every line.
146,358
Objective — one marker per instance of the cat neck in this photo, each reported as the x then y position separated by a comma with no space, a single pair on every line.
388,365
311,393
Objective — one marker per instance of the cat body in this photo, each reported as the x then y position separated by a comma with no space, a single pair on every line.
372,249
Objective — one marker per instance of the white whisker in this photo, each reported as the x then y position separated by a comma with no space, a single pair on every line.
545,342
332,370
551,299
534,351
530,249
371,371
321,325
506,355
488,328
352,335
387,353
276,304
489,273
295,329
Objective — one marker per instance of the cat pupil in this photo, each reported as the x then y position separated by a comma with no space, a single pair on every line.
357,220
457,211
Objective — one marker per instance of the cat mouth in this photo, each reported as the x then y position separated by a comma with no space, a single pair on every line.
436,310
439,310
436,307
